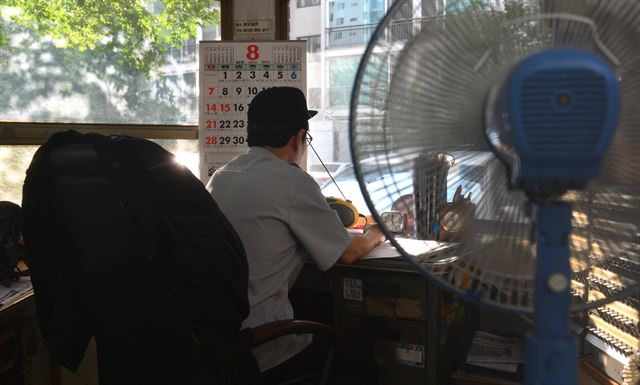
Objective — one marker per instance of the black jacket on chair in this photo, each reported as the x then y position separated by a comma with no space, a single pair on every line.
127,246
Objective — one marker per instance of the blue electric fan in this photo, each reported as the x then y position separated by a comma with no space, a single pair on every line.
514,127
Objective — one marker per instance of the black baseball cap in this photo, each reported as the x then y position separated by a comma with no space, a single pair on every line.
285,106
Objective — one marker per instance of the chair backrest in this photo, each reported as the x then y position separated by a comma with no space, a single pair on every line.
126,245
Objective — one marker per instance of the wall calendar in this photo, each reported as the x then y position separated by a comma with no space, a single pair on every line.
231,73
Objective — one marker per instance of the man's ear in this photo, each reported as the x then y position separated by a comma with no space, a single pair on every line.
298,139
302,133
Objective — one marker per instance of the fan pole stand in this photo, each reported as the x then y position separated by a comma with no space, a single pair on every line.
551,350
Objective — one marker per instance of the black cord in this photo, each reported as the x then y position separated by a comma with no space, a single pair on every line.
327,170
366,221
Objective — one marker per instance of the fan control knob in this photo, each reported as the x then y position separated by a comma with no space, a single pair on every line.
557,282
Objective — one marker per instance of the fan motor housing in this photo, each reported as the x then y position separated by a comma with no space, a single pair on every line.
556,114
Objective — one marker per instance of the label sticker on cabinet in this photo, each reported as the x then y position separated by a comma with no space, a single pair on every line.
352,289
409,354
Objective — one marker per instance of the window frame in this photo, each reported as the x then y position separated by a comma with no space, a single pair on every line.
36,133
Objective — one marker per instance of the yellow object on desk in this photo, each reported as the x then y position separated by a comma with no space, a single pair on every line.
346,211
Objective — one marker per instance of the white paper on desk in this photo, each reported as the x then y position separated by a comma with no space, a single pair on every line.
383,250
492,348
15,290
503,367
411,246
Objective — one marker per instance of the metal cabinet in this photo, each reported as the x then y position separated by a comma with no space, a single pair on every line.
419,333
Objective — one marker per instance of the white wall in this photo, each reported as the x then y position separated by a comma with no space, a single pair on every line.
261,11
309,20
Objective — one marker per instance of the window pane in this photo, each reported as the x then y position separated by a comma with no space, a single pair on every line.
14,161
186,152
313,43
342,36
307,3
45,82
342,73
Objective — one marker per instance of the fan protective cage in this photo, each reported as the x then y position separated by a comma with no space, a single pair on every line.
416,136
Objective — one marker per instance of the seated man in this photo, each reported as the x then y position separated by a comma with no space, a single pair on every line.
280,214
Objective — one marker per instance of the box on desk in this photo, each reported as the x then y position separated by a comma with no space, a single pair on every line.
420,334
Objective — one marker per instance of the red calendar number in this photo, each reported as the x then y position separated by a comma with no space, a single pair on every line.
231,140
252,52
211,90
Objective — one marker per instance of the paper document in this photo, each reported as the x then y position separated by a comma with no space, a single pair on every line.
508,368
15,290
413,247
383,250
495,352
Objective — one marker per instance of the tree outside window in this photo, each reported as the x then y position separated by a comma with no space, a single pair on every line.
65,62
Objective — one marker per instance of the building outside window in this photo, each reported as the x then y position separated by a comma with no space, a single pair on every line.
375,11
344,34
307,3
342,72
313,43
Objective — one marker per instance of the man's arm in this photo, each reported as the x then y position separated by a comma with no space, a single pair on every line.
361,245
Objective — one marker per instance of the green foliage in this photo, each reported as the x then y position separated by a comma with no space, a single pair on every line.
512,8
515,9
138,36
36,75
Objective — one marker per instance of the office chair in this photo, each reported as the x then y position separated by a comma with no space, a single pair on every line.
127,246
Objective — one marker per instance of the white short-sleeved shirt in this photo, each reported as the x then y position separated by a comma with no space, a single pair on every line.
281,216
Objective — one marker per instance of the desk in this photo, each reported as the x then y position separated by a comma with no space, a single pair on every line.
420,333
13,362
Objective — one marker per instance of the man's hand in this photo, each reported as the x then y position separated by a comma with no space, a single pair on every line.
373,231
362,245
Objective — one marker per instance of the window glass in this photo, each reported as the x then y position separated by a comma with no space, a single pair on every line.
342,74
332,167
313,43
342,36
307,3
44,81
14,161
